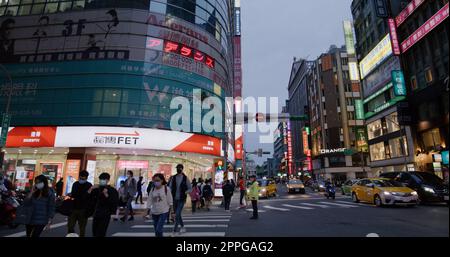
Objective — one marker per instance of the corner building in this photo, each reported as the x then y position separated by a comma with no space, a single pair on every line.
93,81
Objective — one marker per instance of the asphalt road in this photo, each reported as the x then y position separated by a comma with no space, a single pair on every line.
310,215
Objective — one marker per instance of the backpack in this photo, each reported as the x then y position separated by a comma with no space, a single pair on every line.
207,191
195,193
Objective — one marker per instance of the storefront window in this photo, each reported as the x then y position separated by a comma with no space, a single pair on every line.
377,152
431,139
392,122
375,129
398,147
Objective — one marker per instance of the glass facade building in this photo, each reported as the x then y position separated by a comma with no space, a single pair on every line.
115,64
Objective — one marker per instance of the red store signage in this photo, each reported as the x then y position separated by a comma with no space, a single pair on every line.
428,26
394,37
176,48
408,11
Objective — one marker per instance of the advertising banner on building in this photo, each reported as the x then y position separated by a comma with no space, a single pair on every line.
359,109
428,26
380,77
237,67
410,8
361,140
349,37
398,81
354,71
376,56
114,137
394,38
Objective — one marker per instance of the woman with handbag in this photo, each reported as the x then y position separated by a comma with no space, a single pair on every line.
41,207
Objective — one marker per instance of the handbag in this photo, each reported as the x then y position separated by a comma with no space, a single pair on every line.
24,212
66,207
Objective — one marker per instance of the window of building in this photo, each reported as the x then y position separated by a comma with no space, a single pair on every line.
414,83
375,129
429,75
377,152
392,123
431,139
398,147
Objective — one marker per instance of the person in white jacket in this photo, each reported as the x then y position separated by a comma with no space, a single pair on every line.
160,202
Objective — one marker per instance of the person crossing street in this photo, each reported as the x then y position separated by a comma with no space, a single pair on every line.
180,187
130,191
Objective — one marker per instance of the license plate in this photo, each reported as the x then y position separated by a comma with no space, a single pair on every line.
297,190
446,198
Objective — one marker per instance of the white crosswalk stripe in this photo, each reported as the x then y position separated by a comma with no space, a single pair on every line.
197,225
251,210
275,208
340,205
316,205
298,207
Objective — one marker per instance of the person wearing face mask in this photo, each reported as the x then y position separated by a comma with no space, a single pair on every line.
80,196
130,191
160,202
105,200
42,203
180,187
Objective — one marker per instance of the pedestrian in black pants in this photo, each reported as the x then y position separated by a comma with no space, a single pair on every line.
228,189
104,200
139,189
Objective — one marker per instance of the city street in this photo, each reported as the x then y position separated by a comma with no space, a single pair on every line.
310,215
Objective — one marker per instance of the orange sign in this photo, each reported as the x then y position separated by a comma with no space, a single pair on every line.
200,144
31,137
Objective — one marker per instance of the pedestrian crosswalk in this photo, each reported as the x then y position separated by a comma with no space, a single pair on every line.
308,206
214,224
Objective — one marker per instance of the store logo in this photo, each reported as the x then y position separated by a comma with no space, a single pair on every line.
35,137
338,150
116,138
209,146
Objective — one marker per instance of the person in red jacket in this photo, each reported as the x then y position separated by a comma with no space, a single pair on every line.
243,190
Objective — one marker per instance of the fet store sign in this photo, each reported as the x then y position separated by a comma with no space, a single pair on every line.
31,137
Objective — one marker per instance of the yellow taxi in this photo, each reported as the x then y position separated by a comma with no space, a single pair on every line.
267,188
381,191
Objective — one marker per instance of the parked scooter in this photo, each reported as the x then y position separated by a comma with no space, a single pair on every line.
330,192
8,207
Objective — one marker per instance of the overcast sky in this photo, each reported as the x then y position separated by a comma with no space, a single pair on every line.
273,32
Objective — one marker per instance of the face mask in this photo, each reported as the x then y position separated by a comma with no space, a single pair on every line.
82,181
157,184
103,182
40,185
179,171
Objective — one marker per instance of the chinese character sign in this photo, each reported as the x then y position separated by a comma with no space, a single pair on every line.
398,80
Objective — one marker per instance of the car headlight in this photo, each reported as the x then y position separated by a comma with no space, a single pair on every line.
414,193
263,190
321,186
429,190
302,186
386,193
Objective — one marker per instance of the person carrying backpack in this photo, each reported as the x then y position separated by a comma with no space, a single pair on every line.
195,196
160,202
228,190
207,193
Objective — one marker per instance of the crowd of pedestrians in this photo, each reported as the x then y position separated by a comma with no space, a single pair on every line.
166,201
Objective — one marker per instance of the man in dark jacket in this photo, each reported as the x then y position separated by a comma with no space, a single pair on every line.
105,200
59,187
180,188
228,189
80,196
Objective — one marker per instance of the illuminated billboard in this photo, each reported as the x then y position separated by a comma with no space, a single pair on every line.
354,71
378,54
349,40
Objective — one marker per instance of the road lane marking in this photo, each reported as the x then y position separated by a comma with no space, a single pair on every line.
298,207
188,234
198,220
186,226
275,208
359,204
23,233
206,217
251,210
340,205
316,205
